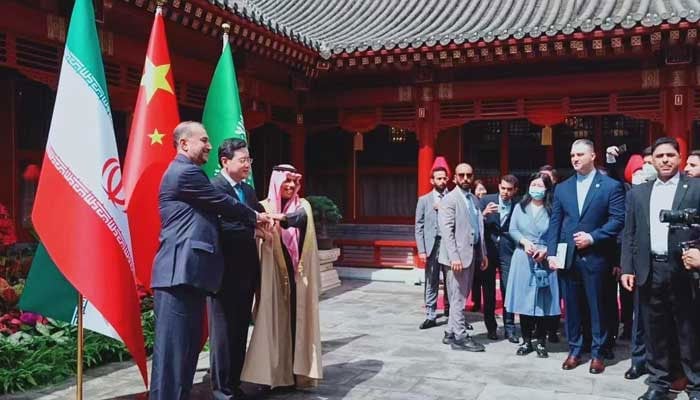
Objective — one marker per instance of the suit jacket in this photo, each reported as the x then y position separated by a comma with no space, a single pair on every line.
602,216
234,225
457,233
426,223
636,240
189,252
499,244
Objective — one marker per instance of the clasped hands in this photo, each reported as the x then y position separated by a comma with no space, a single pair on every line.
266,223
538,254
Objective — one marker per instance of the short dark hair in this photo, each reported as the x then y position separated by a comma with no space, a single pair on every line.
228,148
551,169
666,140
512,179
695,153
647,151
184,129
438,169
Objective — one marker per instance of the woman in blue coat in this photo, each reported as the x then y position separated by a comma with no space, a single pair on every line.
533,289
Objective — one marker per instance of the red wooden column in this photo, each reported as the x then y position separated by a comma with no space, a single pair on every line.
426,131
677,107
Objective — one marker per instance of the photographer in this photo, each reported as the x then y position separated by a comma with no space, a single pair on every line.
652,260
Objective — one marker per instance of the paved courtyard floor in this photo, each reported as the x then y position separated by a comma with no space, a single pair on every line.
373,349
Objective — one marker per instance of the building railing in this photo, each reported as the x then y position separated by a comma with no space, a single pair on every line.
377,253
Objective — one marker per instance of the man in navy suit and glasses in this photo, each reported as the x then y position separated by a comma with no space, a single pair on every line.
189,263
588,213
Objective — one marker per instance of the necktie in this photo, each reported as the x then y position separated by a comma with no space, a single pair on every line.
503,212
239,192
474,217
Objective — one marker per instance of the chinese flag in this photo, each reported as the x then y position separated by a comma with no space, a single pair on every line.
150,149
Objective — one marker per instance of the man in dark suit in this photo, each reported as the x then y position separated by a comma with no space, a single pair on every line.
428,243
587,214
497,210
669,294
189,264
230,307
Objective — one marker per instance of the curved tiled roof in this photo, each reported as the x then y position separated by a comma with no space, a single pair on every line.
345,26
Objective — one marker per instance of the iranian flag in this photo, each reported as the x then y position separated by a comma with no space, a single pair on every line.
79,207
150,149
223,115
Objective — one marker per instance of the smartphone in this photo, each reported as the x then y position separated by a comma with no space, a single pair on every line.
622,148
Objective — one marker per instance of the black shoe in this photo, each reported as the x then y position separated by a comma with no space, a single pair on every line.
553,337
467,344
238,394
525,348
541,349
653,394
607,354
635,372
469,327
449,338
513,338
492,335
428,323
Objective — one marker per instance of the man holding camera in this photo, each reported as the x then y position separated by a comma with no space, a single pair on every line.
652,260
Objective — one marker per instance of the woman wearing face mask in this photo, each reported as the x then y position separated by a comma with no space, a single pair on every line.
533,290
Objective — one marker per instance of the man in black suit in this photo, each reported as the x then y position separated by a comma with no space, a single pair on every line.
189,264
497,210
230,307
669,296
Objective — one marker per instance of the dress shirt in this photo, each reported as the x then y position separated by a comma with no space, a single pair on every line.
662,194
583,185
236,186
504,209
473,213
437,198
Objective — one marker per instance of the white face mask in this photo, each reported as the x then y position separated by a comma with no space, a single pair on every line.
646,174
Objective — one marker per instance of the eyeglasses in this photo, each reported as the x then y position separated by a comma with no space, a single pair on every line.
244,160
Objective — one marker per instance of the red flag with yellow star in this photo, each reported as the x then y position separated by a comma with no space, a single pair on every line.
150,149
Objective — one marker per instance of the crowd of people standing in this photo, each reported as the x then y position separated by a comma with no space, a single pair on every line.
574,247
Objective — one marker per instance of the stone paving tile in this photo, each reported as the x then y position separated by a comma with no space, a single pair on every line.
373,349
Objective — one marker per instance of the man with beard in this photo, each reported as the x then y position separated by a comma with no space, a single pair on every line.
428,242
692,166
652,261
500,247
462,249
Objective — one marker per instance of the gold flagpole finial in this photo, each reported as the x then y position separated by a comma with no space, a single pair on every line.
227,28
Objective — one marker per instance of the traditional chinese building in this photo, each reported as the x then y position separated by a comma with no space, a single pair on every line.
362,95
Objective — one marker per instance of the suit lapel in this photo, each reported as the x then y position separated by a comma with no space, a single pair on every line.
681,190
592,192
574,190
646,199
227,186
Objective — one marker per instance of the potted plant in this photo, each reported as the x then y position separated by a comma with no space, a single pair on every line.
326,213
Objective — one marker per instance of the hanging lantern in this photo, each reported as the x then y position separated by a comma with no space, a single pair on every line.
358,143
546,139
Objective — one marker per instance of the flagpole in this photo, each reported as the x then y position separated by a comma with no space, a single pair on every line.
227,28
79,385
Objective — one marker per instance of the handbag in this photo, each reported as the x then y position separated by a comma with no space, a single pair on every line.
541,278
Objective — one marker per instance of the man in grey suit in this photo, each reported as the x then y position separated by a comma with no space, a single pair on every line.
428,243
462,249
189,264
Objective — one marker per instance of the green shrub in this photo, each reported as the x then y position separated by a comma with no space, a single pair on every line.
46,354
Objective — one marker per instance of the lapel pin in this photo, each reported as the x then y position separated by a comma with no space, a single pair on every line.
597,185
685,186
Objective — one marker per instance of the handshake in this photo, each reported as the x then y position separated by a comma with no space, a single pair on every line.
266,223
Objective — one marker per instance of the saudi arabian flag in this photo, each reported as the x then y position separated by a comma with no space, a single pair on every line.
47,292
223,115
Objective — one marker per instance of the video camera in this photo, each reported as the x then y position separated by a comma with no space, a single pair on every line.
684,219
